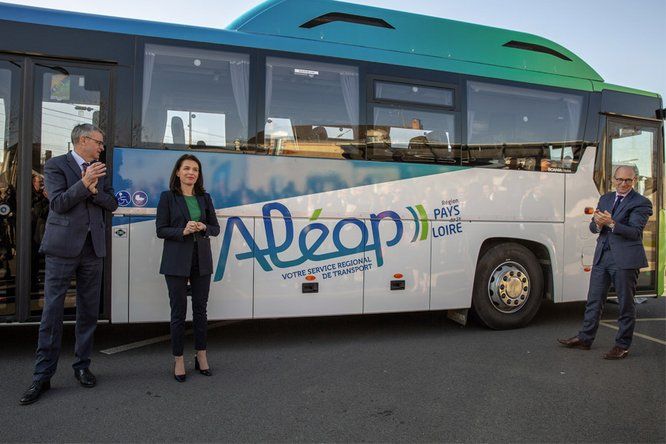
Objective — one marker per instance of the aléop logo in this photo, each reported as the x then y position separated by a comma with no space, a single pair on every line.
269,258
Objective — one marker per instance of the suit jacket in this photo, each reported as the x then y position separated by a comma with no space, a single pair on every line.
172,216
74,210
626,240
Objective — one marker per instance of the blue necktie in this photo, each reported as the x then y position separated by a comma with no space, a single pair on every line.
617,203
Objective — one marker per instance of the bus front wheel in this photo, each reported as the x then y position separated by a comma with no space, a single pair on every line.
508,287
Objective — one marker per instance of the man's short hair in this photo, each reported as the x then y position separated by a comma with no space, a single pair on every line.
631,167
84,129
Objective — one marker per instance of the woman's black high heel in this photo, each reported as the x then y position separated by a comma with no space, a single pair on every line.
179,378
206,372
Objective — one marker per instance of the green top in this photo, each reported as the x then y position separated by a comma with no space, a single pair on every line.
193,207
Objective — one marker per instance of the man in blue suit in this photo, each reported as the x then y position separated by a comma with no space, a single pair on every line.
74,244
619,219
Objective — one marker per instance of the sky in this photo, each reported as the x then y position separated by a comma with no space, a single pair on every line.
622,40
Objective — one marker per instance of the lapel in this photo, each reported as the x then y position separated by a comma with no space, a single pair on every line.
73,165
180,203
606,202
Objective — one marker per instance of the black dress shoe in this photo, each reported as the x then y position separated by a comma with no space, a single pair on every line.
575,342
35,391
179,378
85,377
205,372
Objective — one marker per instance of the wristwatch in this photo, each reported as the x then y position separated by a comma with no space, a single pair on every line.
612,226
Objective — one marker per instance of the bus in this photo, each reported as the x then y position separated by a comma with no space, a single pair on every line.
360,160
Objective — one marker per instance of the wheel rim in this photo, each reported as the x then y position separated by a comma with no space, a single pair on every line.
509,287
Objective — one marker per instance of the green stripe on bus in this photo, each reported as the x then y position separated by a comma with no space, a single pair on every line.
315,214
416,221
424,222
661,252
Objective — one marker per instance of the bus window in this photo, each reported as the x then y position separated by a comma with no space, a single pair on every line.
407,125
194,97
311,109
520,128
202,129
409,93
68,101
412,135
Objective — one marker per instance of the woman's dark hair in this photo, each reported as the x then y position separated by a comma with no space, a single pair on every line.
174,182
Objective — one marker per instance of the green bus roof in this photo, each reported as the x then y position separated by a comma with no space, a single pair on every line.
412,34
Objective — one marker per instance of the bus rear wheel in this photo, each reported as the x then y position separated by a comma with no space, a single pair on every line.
508,287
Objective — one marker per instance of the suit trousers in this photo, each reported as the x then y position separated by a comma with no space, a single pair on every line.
87,268
624,281
200,286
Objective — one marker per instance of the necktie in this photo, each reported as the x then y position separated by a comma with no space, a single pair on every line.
617,203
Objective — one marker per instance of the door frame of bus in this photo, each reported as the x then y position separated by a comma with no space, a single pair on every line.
20,62
657,124
24,179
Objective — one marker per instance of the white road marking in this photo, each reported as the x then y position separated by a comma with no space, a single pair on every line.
157,339
607,323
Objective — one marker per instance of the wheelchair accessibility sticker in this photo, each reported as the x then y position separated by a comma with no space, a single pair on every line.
124,198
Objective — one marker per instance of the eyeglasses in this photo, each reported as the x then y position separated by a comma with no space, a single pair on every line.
98,142
619,180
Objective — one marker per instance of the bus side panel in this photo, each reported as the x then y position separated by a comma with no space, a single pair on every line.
408,261
120,244
328,253
579,241
231,297
453,263
149,300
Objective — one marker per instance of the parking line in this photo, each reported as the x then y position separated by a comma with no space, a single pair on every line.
640,335
157,339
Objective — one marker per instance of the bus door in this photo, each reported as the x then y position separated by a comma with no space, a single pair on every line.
635,142
36,125
11,72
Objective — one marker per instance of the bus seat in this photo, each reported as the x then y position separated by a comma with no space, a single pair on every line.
302,133
319,133
177,130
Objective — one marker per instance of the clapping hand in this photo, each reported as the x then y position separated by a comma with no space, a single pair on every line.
602,218
92,175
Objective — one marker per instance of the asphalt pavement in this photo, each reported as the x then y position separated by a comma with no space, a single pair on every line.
383,378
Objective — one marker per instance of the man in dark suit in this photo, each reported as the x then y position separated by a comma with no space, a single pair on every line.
74,244
619,219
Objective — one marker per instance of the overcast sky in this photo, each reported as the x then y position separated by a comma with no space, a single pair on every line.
622,40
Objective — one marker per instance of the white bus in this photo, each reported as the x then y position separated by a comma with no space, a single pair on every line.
360,160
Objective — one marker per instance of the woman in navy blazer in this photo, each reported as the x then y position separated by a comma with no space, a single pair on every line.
185,220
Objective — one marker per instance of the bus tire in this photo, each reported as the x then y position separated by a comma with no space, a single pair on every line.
508,287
